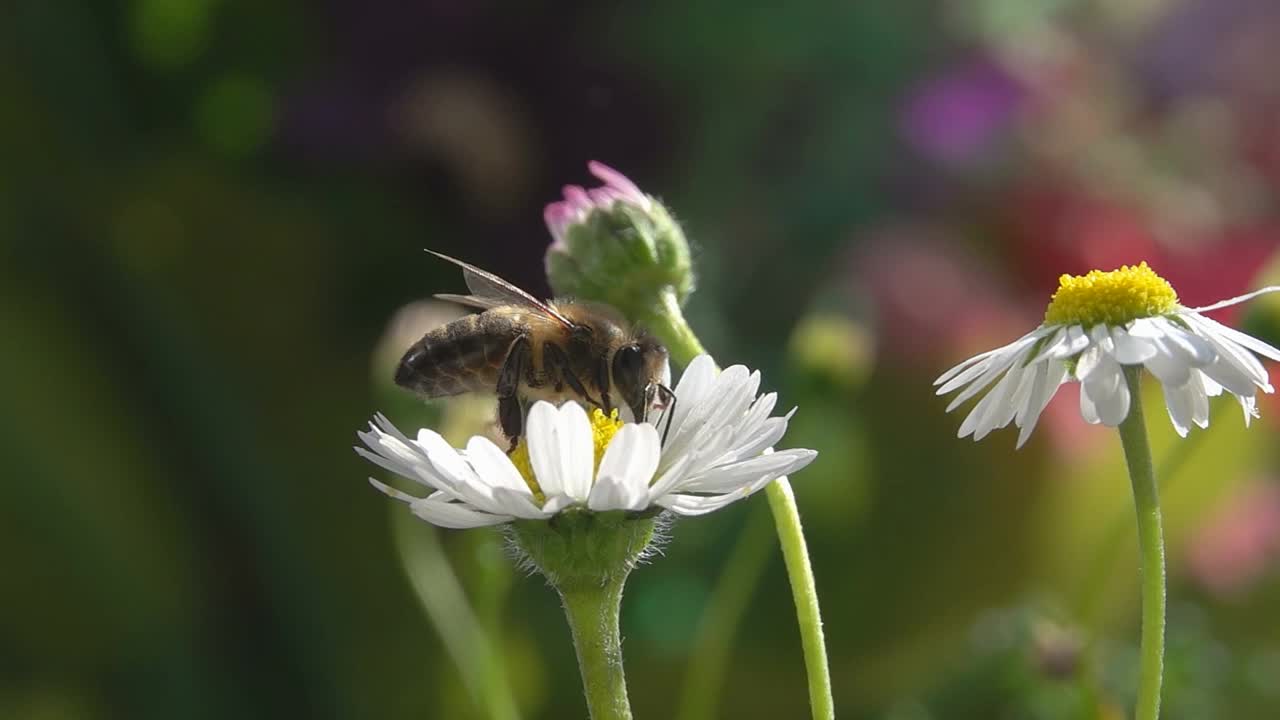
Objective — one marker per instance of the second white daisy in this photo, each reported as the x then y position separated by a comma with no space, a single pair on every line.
1094,326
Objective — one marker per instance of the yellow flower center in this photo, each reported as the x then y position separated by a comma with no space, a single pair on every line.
603,428
1110,298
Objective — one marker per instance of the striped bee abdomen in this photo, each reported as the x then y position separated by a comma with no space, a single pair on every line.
463,356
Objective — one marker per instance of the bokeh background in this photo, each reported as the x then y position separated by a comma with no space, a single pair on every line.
211,210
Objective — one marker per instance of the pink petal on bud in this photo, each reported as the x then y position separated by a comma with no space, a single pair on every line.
577,198
627,190
558,216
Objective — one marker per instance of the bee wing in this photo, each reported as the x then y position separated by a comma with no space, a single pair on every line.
489,291
470,300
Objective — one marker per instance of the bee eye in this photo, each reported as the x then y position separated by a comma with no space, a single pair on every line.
627,362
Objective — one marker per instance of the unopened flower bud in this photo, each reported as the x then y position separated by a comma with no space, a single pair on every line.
615,244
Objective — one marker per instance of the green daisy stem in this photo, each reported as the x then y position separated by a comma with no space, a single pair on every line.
668,323
592,612
1146,500
804,591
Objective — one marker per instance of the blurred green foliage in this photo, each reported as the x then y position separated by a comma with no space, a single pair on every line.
210,209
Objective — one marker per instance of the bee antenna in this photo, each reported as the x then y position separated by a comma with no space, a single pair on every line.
668,412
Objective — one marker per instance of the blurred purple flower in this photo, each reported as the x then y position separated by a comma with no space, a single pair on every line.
952,116
579,202
1206,46
1238,543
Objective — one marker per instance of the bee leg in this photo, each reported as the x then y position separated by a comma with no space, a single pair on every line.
510,411
519,360
554,360
511,419
602,382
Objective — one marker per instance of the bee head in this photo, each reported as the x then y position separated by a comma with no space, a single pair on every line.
638,368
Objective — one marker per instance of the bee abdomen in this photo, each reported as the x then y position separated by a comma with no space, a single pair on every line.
463,356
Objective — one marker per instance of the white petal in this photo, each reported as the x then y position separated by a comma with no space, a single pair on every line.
695,383
615,493
1088,363
1131,350
1250,408
1238,337
1001,409
1106,391
393,493
446,462
1211,386
493,466
743,474
1100,336
1169,368
755,443
1075,341
498,473
1196,350
969,362
702,504
1232,354
541,433
1179,403
1087,409
995,367
1237,300
454,515
694,505
717,407
577,451
1199,401
399,468
995,403
990,368
1230,376
1051,346
671,478
626,469
1041,393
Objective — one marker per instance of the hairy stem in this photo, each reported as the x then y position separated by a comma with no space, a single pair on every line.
592,612
669,324
1137,454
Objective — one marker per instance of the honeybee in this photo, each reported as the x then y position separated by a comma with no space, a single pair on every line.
524,349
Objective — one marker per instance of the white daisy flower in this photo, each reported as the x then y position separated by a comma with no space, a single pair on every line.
716,452
1094,326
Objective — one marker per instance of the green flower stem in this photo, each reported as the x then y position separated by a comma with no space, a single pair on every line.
795,553
1137,454
592,611
668,323
586,557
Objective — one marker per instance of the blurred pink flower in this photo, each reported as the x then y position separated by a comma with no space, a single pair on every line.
935,305
915,273
1053,229
1234,548
579,202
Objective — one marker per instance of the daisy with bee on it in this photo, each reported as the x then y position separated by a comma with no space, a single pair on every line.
598,443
